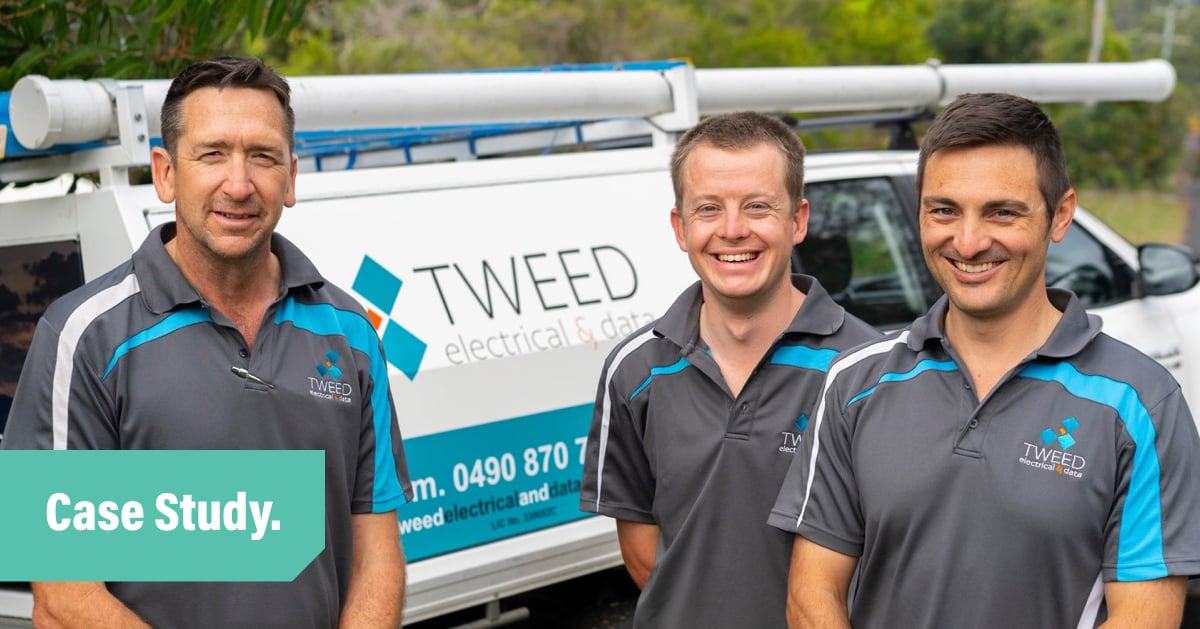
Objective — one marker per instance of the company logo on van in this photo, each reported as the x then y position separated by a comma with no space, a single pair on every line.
380,287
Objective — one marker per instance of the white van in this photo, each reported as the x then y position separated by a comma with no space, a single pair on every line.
499,280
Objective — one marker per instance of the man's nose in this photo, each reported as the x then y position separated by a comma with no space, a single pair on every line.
238,183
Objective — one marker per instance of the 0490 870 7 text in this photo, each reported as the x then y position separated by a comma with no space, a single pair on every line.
535,461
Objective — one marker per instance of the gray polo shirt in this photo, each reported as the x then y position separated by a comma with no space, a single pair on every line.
1078,468
670,445
136,360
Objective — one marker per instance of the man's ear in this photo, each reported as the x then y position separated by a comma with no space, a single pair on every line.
1061,219
289,200
162,168
677,225
800,222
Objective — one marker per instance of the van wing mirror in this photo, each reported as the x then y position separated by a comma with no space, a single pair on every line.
1166,269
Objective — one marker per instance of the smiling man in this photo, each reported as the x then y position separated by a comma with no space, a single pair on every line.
206,340
1002,462
698,414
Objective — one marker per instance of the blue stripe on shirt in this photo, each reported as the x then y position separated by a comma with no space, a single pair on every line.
680,365
920,368
325,320
804,357
1140,543
174,321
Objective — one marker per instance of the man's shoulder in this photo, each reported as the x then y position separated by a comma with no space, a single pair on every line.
1110,360
96,297
879,355
329,293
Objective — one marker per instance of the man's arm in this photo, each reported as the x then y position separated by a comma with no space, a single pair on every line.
639,547
1156,604
376,594
85,604
817,585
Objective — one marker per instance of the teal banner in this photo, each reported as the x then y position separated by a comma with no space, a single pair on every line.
160,515
484,483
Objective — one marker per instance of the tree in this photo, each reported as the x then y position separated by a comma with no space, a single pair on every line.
122,39
984,31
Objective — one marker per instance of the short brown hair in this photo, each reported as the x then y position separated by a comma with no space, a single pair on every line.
223,72
742,130
991,119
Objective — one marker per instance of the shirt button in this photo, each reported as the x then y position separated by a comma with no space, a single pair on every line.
243,353
967,386
973,423
745,407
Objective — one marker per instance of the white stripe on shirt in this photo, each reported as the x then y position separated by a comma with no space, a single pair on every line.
839,366
68,339
606,403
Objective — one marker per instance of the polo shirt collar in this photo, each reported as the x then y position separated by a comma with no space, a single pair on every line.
819,314
1073,332
164,288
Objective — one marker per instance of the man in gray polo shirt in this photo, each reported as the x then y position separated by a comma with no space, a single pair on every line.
1002,462
698,414
212,337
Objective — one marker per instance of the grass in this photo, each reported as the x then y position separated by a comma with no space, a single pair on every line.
1143,216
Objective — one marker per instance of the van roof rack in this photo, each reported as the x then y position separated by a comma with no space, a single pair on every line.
69,125
900,124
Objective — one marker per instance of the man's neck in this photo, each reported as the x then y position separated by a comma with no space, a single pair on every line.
739,338
242,290
992,347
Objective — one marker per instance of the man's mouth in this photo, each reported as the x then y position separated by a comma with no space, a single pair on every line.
973,268
736,257
233,216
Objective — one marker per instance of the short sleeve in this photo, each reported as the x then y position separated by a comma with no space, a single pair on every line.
819,496
1151,532
383,482
617,478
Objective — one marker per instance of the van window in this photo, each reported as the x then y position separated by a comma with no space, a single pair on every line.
32,276
864,251
1089,269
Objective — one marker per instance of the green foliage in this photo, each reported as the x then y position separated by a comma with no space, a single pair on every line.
1132,146
129,39
985,31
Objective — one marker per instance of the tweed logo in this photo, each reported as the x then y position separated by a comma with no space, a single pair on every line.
1052,454
1062,435
328,367
380,287
791,440
327,385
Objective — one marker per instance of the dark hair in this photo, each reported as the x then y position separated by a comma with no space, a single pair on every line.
223,72
991,119
742,130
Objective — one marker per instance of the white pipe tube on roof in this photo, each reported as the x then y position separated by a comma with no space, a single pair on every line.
44,113
1151,80
848,88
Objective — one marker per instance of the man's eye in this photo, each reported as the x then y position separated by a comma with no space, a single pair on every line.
707,210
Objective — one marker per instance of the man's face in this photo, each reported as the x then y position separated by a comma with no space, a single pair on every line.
736,223
231,177
985,229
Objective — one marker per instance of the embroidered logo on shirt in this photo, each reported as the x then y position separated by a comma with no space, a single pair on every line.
791,440
327,385
1052,454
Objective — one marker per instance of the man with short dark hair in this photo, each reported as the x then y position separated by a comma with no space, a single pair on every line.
206,340
698,414
1001,462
